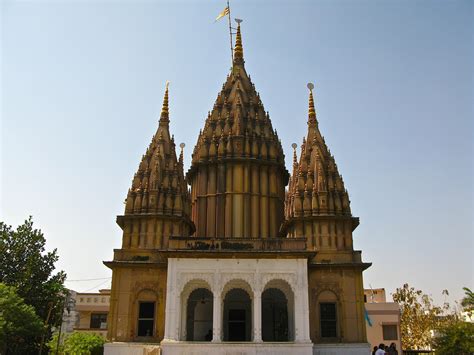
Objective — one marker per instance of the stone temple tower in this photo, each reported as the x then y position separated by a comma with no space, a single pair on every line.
238,173
237,256
158,203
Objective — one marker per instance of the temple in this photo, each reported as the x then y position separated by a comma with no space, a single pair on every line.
250,259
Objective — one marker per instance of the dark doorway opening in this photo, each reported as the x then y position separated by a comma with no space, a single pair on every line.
274,315
237,316
236,324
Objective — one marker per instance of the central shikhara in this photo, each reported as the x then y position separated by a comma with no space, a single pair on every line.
237,264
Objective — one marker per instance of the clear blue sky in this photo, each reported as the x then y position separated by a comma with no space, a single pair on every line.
82,85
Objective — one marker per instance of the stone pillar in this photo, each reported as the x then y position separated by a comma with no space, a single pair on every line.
257,316
217,318
169,317
173,303
303,301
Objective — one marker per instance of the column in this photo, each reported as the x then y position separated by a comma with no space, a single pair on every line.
170,315
173,303
257,316
302,302
216,318
176,314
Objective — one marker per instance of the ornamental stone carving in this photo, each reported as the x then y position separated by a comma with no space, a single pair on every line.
289,278
184,278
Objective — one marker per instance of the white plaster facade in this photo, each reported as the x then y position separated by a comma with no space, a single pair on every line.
222,275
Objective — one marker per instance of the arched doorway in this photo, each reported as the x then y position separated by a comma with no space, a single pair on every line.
274,315
237,315
199,315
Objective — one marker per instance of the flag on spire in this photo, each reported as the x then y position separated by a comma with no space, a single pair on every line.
224,12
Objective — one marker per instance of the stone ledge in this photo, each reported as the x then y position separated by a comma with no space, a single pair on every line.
342,349
169,347
238,348
125,348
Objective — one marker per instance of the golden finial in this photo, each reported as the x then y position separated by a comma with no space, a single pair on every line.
238,49
311,110
164,108
294,146
181,154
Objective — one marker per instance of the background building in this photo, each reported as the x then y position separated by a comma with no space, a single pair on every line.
383,319
86,312
92,310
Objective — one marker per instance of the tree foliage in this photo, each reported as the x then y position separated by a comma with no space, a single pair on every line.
455,338
18,323
53,344
30,269
419,317
78,343
468,301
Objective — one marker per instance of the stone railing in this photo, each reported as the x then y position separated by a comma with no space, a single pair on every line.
237,244
92,299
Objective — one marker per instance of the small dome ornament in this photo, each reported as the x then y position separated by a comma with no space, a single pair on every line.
310,86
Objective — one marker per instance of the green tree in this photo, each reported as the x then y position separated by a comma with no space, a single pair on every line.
455,338
468,301
30,269
78,344
419,317
18,323
53,343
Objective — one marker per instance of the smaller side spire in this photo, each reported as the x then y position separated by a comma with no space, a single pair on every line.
238,49
181,154
311,111
295,159
164,117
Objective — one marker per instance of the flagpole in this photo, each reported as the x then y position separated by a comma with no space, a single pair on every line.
230,32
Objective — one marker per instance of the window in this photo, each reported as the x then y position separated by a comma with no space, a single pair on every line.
98,321
328,320
389,332
146,319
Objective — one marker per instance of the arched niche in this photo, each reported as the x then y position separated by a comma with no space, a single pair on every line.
192,323
278,311
145,313
199,315
237,315
328,312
